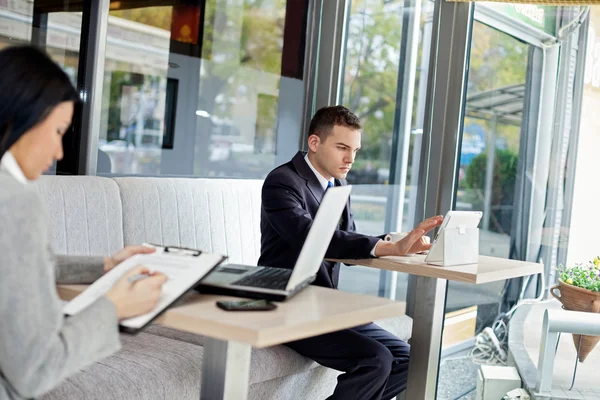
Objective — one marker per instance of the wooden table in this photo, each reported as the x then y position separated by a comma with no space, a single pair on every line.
429,298
231,335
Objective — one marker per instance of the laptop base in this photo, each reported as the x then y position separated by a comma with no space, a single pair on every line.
250,294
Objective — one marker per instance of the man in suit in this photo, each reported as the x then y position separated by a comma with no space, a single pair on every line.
374,362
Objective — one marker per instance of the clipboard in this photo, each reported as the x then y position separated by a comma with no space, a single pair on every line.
185,268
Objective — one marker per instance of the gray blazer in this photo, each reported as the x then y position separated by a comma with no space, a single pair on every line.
38,346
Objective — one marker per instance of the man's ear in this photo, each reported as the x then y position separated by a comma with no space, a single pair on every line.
313,142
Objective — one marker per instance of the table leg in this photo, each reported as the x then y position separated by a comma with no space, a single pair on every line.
225,370
426,340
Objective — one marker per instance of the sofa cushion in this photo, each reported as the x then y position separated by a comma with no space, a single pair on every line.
85,214
315,383
175,334
154,367
400,326
276,362
221,216
147,367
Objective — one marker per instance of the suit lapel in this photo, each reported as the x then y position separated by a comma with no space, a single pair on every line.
306,173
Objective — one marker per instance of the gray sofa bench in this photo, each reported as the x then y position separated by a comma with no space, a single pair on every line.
97,216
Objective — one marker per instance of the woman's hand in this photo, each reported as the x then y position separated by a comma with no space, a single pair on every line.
124,254
135,298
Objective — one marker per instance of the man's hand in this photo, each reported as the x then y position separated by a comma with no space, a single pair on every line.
124,254
414,242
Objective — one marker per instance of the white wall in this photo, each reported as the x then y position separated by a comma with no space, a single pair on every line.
584,236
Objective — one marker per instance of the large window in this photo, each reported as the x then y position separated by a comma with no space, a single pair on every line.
492,134
494,126
384,82
213,89
55,28
511,164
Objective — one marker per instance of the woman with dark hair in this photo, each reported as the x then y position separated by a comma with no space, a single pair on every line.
38,346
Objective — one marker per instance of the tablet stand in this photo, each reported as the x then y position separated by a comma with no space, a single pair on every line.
455,246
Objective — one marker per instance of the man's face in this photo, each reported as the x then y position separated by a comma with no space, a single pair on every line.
335,155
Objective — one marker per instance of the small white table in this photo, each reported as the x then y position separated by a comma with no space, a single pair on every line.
430,302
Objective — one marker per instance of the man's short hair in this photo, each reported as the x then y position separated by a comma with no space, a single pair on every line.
326,118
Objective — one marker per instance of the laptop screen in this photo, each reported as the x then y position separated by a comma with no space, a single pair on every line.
319,235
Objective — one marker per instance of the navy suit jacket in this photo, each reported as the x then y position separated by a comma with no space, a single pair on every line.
291,195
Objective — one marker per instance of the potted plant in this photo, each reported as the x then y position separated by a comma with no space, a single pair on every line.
578,289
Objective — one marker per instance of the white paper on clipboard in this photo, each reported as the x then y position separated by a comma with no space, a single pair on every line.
183,267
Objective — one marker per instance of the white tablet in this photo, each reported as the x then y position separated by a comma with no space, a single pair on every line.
455,219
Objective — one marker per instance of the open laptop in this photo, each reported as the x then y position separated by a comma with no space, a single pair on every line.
279,284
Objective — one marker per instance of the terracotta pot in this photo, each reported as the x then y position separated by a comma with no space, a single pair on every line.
577,299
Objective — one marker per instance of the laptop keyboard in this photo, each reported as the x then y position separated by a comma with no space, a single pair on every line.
268,278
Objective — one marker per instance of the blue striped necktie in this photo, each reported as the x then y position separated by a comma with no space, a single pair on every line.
329,184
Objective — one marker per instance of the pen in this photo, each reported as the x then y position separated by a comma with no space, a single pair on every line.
137,277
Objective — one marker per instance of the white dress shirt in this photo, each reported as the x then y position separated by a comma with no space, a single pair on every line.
320,177
323,181
9,164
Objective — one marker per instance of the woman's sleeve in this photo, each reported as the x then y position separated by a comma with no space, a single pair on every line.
78,269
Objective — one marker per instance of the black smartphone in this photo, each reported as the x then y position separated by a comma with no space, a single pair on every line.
246,305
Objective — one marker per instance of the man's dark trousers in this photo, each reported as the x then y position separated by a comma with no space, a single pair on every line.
375,362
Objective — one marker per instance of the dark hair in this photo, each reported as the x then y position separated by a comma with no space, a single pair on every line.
31,86
326,118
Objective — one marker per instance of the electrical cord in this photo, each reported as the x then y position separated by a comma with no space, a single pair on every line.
491,345
538,299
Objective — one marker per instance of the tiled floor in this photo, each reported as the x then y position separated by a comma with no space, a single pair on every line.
457,379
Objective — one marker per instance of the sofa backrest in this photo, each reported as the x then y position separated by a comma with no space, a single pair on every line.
217,215
85,214
97,216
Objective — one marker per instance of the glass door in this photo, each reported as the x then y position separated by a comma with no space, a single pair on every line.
494,128
503,165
